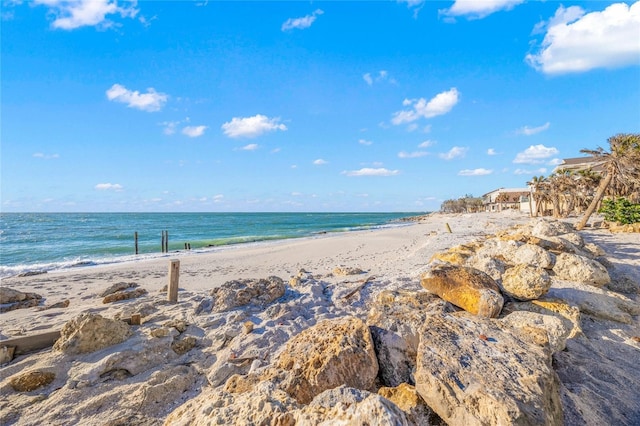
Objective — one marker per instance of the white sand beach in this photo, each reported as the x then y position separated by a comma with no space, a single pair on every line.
135,382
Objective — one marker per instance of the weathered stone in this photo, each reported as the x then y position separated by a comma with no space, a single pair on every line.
456,255
550,228
596,302
572,267
534,255
394,320
237,293
118,287
124,295
574,239
568,314
476,371
327,355
344,405
525,282
6,354
467,288
489,265
347,270
407,398
239,383
11,299
594,249
247,327
183,345
556,330
32,380
504,250
58,305
91,332
263,405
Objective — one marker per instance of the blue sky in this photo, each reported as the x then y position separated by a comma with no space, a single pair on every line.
303,106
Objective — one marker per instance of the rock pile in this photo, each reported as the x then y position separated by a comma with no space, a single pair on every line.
11,299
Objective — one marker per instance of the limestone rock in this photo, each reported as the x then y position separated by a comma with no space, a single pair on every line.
11,299
124,295
556,329
572,267
407,398
90,332
574,238
394,320
264,405
32,380
567,313
550,228
183,345
327,355
489,265
534,255
348,406
476,371
347,270
6,354
244,292
526,282
121,286
468,288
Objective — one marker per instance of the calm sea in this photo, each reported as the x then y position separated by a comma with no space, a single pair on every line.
50,241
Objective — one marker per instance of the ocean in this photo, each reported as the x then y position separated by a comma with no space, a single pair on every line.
32,242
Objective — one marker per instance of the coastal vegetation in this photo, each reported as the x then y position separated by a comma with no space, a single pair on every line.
466,204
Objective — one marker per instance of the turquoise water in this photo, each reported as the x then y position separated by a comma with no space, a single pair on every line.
50,241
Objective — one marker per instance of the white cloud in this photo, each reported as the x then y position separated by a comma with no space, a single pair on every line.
366,171
415,154
426,144
151,101
535,154
72,14
250,147
440,104
528,131
478,9
194,131
577,41
455,152
320,162
45,156
301,23
250,127
383,75
367,77
555,162
108,187
491,151
365,142
475,172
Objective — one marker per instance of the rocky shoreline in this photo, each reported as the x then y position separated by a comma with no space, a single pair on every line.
534,324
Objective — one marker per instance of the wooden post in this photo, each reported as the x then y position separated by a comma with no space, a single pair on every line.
135,319
174,276
135,238
162,242
185,246
448,227
166,241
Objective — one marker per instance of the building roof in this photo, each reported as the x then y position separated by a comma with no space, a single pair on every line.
580,163
508,190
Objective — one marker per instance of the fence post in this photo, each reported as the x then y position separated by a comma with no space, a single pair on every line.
135,238
174,277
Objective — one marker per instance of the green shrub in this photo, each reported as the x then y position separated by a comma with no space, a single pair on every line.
621,211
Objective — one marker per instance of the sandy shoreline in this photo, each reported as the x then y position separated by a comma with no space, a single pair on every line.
88,390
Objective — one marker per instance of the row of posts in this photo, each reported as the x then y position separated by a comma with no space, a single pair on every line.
164,242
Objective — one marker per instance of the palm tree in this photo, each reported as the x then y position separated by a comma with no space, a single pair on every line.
621,170
535,185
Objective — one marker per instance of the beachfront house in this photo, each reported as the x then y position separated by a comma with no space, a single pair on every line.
580,163
508,199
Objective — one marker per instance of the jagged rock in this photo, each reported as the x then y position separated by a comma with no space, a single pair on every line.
124,295
596,302
546,228
118,287
64,304
556,330
32,380
476,371
344,405
574,239
499,248
489,265
411,403
394,320
572,267
11,299
244,292
525,282
568,314
531,254
327,355
594,249
263,405
184,345
6,354
456,255
467,288
90,332
347,270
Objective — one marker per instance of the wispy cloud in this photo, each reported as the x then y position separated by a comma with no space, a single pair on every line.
476,9
535,154
492,151
72,14
194,131
301,23
415,154
320,162
109,187
250,147
151,101
364,142
541,170
475,172
380,77
528,131
576,41
45,156
366,171
250,127
440,104
455,152
426,144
